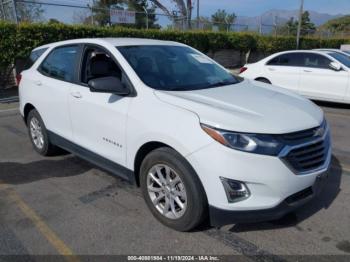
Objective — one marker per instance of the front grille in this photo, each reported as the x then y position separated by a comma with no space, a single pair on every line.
308,149
300,135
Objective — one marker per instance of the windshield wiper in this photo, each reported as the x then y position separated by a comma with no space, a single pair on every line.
221,83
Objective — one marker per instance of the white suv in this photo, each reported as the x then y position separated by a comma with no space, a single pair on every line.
199,141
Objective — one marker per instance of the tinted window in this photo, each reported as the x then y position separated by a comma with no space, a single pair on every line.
345,60
33,57
173,68
316,61
291,59
60,63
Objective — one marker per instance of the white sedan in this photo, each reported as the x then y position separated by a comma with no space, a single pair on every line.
320,75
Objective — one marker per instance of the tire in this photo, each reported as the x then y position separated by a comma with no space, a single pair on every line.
38,135
264,80
184,185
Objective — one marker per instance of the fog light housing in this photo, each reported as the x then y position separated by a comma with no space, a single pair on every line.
235,190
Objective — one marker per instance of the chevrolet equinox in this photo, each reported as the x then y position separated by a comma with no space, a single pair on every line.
199,141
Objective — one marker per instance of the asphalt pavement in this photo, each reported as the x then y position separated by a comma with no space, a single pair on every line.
65,205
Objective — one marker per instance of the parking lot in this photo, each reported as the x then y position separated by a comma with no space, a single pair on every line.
64,205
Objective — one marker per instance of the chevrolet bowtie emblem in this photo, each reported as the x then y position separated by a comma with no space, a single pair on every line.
319,132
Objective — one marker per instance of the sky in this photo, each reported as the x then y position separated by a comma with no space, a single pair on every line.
208,7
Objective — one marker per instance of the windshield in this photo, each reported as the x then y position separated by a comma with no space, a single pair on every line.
345,60
179,68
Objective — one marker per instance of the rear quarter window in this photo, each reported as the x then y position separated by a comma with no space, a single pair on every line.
34,55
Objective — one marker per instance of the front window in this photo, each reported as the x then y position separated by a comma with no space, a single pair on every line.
179,68
316,61
345,60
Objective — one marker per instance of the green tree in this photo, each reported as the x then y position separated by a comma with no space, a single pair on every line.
29,12
222,19
307,27
184,7
102,16
291,26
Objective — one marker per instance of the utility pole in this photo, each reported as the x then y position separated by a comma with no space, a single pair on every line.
260,25
197,14
275,24
15,10
299,23
92,12
146,12
3,16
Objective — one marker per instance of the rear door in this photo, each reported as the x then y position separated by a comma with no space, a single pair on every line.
284,71
319,80
52,81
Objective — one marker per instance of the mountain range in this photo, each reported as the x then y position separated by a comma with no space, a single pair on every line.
282,16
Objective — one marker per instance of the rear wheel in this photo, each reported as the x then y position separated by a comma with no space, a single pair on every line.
172,190
264,80
38,135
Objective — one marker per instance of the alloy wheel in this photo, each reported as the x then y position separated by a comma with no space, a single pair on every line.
167,191
36,133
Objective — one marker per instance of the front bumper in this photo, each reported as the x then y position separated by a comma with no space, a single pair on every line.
220,217
270,181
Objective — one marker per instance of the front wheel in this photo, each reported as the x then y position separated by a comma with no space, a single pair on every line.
172,190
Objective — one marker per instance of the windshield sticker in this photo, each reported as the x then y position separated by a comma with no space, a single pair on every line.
201,59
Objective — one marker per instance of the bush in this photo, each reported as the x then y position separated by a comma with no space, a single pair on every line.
18,41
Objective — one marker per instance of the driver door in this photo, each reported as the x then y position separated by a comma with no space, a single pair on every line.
319,80
99,119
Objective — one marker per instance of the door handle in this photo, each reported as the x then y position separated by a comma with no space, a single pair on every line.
272,69
307,71
38,82
76,94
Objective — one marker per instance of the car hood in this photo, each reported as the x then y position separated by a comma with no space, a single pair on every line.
248,106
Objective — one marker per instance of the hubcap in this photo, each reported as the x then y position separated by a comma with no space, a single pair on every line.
36,133
167,191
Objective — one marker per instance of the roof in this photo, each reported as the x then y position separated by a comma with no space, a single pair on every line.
118,41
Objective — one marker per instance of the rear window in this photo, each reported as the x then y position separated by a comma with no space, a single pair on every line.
289,59
33,57
61,63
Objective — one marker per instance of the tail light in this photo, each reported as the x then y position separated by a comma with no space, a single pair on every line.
244,68
18,79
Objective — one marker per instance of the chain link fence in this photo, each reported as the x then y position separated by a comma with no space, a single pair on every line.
76,12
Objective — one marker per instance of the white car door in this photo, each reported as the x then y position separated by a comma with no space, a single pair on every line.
283,71
99,119
53,81
319,80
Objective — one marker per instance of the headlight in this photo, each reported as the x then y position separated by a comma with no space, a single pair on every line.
254,143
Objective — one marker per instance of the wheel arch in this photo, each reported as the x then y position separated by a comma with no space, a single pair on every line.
27,108
142,152
262,79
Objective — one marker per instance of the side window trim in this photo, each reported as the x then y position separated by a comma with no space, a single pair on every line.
133,92
76,63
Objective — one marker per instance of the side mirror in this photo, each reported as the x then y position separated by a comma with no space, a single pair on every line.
335,66
108,84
